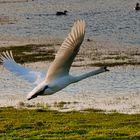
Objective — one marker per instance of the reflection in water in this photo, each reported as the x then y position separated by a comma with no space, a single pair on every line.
118,90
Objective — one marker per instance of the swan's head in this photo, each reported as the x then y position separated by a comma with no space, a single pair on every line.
39,90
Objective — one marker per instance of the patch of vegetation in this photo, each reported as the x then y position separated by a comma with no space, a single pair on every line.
31,52
116,57
89,125
46,52
112,64
93,110
60,104
38,106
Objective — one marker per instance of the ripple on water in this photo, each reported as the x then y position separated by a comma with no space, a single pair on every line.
115,90
107,20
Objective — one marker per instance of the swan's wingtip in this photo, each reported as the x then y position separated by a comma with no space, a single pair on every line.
80,21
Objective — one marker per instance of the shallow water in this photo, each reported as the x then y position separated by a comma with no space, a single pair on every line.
113,20
117,90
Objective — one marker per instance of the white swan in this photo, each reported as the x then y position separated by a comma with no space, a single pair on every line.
58,76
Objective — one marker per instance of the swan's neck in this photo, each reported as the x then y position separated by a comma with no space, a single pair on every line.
86,75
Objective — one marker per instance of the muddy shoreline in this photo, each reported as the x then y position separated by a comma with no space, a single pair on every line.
92,52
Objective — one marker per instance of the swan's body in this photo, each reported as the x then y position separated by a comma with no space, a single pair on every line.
58,76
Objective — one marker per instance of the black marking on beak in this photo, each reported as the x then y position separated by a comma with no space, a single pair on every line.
34,96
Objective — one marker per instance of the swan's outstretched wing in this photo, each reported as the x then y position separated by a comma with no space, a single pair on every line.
10,64
67,52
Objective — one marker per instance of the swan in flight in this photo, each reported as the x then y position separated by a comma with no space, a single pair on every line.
57,76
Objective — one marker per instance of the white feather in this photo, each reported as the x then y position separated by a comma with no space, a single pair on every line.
67,52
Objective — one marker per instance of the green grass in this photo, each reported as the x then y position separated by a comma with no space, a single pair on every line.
18,124
46,52
31,52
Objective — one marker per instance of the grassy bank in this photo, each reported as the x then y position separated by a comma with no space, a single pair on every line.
93,56
89,125
31,52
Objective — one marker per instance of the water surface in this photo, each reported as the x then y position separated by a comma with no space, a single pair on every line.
117,90
106,19
110,20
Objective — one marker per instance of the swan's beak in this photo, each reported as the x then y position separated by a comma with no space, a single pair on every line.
34,93
39,90
31,96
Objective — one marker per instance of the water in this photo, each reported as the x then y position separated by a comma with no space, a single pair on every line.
109,20
117,90
106,20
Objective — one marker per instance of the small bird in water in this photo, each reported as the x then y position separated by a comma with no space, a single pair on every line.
137,7
59,13
58,76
